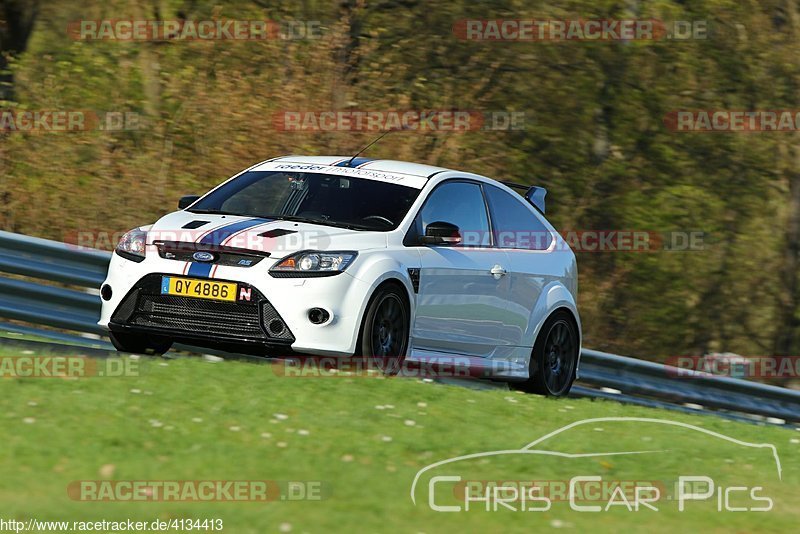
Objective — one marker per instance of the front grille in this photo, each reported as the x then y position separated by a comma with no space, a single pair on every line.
198,315
145,306
227,256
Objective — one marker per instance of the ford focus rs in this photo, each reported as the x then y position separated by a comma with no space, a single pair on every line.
336,256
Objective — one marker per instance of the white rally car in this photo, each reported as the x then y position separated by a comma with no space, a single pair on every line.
338,256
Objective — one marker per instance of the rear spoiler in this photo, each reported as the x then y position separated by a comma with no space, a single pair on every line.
533,194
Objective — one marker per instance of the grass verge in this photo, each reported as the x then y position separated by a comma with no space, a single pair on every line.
359,442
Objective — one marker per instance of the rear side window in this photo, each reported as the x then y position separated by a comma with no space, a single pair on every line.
514,224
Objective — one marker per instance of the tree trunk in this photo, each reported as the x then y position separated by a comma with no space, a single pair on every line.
789,297
17,18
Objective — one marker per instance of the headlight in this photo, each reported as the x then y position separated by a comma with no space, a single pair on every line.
133,244
313,263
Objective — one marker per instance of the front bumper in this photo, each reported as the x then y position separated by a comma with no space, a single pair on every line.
254,322
136,305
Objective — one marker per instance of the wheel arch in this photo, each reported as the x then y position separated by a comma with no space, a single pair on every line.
554,298
385,281
572,317
389,281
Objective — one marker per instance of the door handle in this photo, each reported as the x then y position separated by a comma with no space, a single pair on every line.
497,271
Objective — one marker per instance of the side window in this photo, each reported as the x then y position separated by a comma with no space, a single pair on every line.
514,224
462,204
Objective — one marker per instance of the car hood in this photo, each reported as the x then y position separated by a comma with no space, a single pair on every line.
276,237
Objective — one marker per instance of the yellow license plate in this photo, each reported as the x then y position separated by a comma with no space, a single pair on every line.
201,289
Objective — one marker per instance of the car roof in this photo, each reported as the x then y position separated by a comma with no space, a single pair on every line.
385,165
396,167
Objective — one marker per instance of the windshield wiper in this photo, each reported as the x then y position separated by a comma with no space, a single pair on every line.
322,222
293,218
217,212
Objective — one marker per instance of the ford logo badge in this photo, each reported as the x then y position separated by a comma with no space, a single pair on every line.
203,256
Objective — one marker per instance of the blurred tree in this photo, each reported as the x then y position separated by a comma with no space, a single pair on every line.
784,46
594,135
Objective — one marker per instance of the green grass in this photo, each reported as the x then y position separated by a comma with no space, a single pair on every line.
5,334
189,419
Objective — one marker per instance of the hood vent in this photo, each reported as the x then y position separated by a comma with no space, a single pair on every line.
278,232
194,224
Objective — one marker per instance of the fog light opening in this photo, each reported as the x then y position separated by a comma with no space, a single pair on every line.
276,327
106,292
318,316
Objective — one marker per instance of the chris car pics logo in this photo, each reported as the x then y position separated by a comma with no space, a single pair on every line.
449,491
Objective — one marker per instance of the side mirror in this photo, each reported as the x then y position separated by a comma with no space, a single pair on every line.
441,233
187,201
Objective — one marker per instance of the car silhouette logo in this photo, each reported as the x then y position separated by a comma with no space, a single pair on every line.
203,256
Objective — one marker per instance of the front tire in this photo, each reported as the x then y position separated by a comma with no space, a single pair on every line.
140,343
385,328
555,357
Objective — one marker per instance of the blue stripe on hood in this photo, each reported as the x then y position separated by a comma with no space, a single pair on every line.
203,270
221,234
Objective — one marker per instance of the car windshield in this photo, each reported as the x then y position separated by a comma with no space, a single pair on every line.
356,203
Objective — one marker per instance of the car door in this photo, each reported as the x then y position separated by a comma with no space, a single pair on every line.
463,289
518,230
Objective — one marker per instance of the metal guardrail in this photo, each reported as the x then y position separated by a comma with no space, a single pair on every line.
68,309
665,383
47,305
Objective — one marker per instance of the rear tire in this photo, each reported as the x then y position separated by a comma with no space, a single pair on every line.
554,359
383,338
140,343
